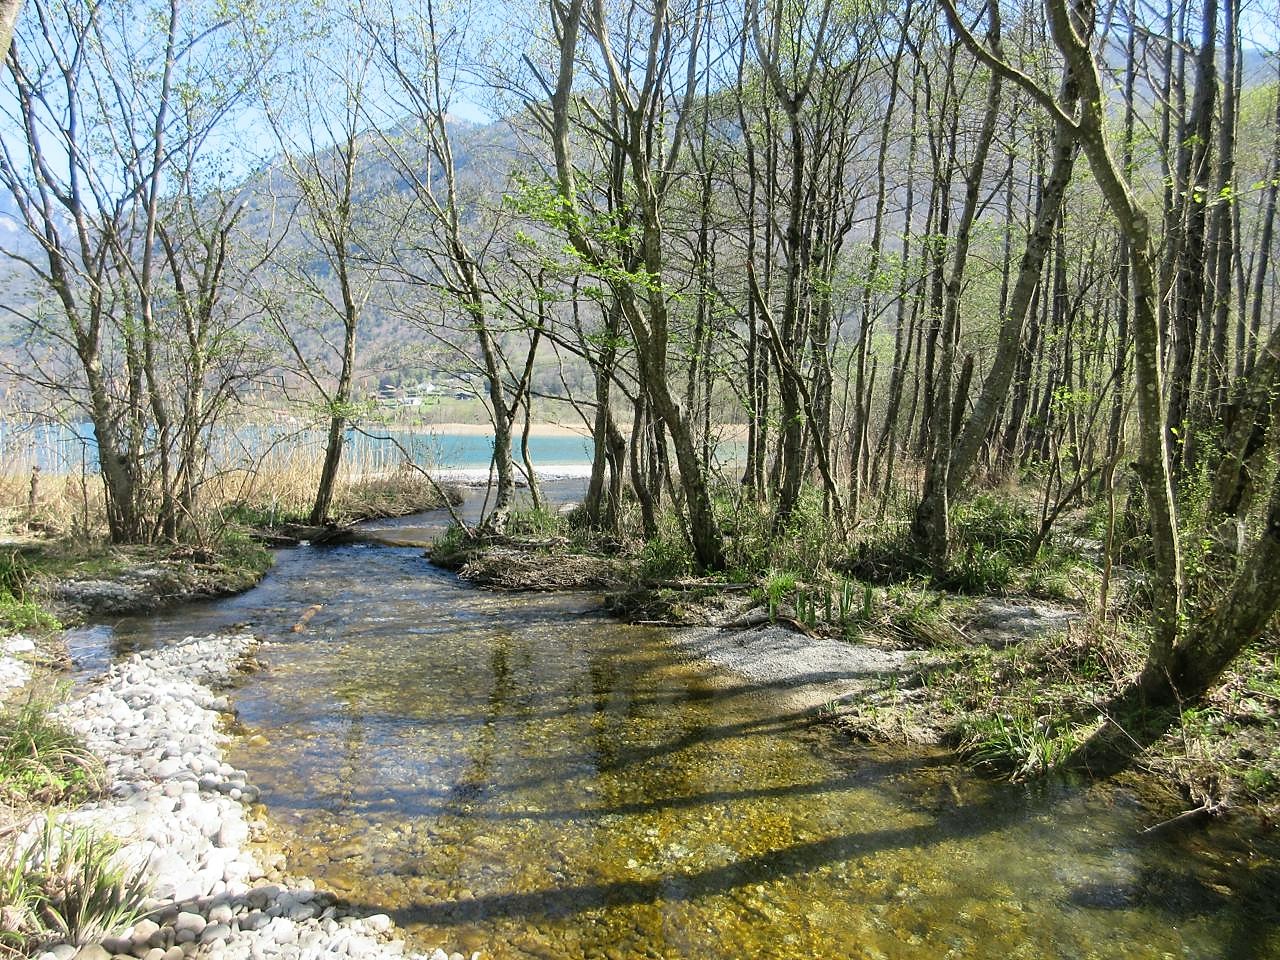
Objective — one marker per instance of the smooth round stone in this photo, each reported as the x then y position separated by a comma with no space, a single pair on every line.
166,768
254,920
378,923
144,932
188,921
282,929
215,931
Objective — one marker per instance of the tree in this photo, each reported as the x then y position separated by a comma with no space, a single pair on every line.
9,10
643,92
448,242
319,133
1184,659
113,112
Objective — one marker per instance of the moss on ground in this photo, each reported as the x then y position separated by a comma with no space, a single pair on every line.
66,579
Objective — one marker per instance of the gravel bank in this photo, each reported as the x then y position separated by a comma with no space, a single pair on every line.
480,476
800,671
179,808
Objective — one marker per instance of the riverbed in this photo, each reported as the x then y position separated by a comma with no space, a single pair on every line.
520,775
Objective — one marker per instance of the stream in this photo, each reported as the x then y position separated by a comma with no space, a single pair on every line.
520,775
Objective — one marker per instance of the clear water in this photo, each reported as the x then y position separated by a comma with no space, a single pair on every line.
518,775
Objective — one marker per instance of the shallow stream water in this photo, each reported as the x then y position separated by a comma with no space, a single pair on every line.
519,775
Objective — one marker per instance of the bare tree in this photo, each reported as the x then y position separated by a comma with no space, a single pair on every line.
1184,659
638,72
448,241
114,109
327,263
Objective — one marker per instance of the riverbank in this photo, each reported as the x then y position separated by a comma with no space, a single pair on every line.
181,821
670,806
50,578
1010,674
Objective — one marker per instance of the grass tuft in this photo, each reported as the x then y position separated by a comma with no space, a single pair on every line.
41,761
68,884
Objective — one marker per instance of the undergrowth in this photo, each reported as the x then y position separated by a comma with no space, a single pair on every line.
1019,709
68,884
995,551
19,611
41,761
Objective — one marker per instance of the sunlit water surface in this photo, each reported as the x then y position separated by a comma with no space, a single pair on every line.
519,775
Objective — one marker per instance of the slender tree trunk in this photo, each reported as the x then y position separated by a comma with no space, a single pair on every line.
340,404
1264,242
995,388
8,17
1167,578
1189,298
861,393
931,527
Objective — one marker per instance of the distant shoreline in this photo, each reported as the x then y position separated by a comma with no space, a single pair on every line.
486,430
722,431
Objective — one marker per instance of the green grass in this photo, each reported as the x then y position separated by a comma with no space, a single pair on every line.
540,524
19,612
68,884
1019,745
25,616
41,761
243,560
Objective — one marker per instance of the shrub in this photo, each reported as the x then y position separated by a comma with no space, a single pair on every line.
15,574
23,616
1020,745
538,523
979,569
995,524
665,558
887,558
18,611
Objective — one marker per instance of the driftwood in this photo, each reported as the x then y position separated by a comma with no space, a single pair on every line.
310,612
758,617
1207,809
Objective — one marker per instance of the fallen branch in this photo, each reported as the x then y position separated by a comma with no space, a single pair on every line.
1207,809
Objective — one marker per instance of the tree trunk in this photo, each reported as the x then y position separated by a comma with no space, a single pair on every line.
930,528
995,388
8,17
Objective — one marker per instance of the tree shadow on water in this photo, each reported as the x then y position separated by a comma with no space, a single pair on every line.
1245,913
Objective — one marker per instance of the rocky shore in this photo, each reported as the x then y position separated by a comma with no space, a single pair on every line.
179,809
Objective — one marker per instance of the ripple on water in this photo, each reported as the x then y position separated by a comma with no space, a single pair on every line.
508,774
